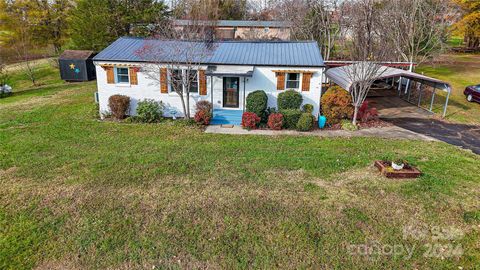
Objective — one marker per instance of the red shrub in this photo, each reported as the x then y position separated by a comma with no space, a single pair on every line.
250,120
203,117
365,114
275,121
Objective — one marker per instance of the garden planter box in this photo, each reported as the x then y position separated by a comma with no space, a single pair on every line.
385,167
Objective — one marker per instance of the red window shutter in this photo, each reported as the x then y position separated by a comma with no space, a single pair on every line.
163,81
133,76
306,81
203,82
280,80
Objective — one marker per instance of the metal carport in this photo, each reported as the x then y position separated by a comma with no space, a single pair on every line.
402,79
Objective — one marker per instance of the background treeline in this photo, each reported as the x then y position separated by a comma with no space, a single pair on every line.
38,28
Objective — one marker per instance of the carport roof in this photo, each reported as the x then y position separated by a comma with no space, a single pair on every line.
340,76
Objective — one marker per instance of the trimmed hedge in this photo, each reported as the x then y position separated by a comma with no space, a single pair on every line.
275,121
336,105
257,103
290,118
305,123
119,106
289,99
307,108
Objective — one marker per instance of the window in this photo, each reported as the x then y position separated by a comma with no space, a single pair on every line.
122,75
293,81
193,81
175,80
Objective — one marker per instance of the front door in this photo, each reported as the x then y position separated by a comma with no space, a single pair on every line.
231,90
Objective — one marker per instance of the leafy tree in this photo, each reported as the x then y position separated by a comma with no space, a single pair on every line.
469,24
96,23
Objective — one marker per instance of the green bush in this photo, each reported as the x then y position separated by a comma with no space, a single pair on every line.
347,125
336,105
257,103
289,99
149,111
305,123
307,108
290,118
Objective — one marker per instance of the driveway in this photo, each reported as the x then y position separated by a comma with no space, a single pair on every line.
410,117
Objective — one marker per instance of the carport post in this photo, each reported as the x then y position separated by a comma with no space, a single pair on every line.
446,103
433,98
400,86
420,95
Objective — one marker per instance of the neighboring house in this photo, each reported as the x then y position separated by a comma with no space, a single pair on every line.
226,77
245,30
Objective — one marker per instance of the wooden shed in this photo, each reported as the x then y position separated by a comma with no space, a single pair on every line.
76,65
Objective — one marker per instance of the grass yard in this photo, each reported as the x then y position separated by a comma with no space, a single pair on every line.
460,70
79,193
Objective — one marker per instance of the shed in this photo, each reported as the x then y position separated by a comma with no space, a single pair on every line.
76,65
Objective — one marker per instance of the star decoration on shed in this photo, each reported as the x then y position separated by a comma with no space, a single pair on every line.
72,66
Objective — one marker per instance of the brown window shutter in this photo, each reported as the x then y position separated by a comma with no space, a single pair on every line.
280,80
163,81
306,81
110,76
133,76
203,82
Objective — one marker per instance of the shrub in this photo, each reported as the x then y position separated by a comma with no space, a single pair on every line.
347,125
250,120
307,108
290,118
203,117
149,111
119,106
275,121
366,114
305,123
257,103
203,113
289,99
336,105
203,105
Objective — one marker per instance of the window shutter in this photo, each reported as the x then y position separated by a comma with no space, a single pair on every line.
203,82
280,80
163,81
133,76
306,81
110,75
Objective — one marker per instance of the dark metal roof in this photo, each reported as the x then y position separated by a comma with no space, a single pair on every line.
76,54
233,23
260,53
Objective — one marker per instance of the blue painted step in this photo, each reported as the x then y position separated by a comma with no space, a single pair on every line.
227,117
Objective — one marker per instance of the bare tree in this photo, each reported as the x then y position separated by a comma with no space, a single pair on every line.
22,46
319,20
366,49
181,53
416,29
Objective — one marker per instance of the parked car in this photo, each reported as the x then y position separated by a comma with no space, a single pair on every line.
472,93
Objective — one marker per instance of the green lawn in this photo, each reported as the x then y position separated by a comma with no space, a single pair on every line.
81,193
460,70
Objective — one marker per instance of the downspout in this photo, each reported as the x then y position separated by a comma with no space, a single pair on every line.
244,79
211,93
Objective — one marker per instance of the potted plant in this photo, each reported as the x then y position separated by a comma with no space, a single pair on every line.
398,164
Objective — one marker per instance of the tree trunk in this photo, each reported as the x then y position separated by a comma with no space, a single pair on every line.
355,114
182,99
188,105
